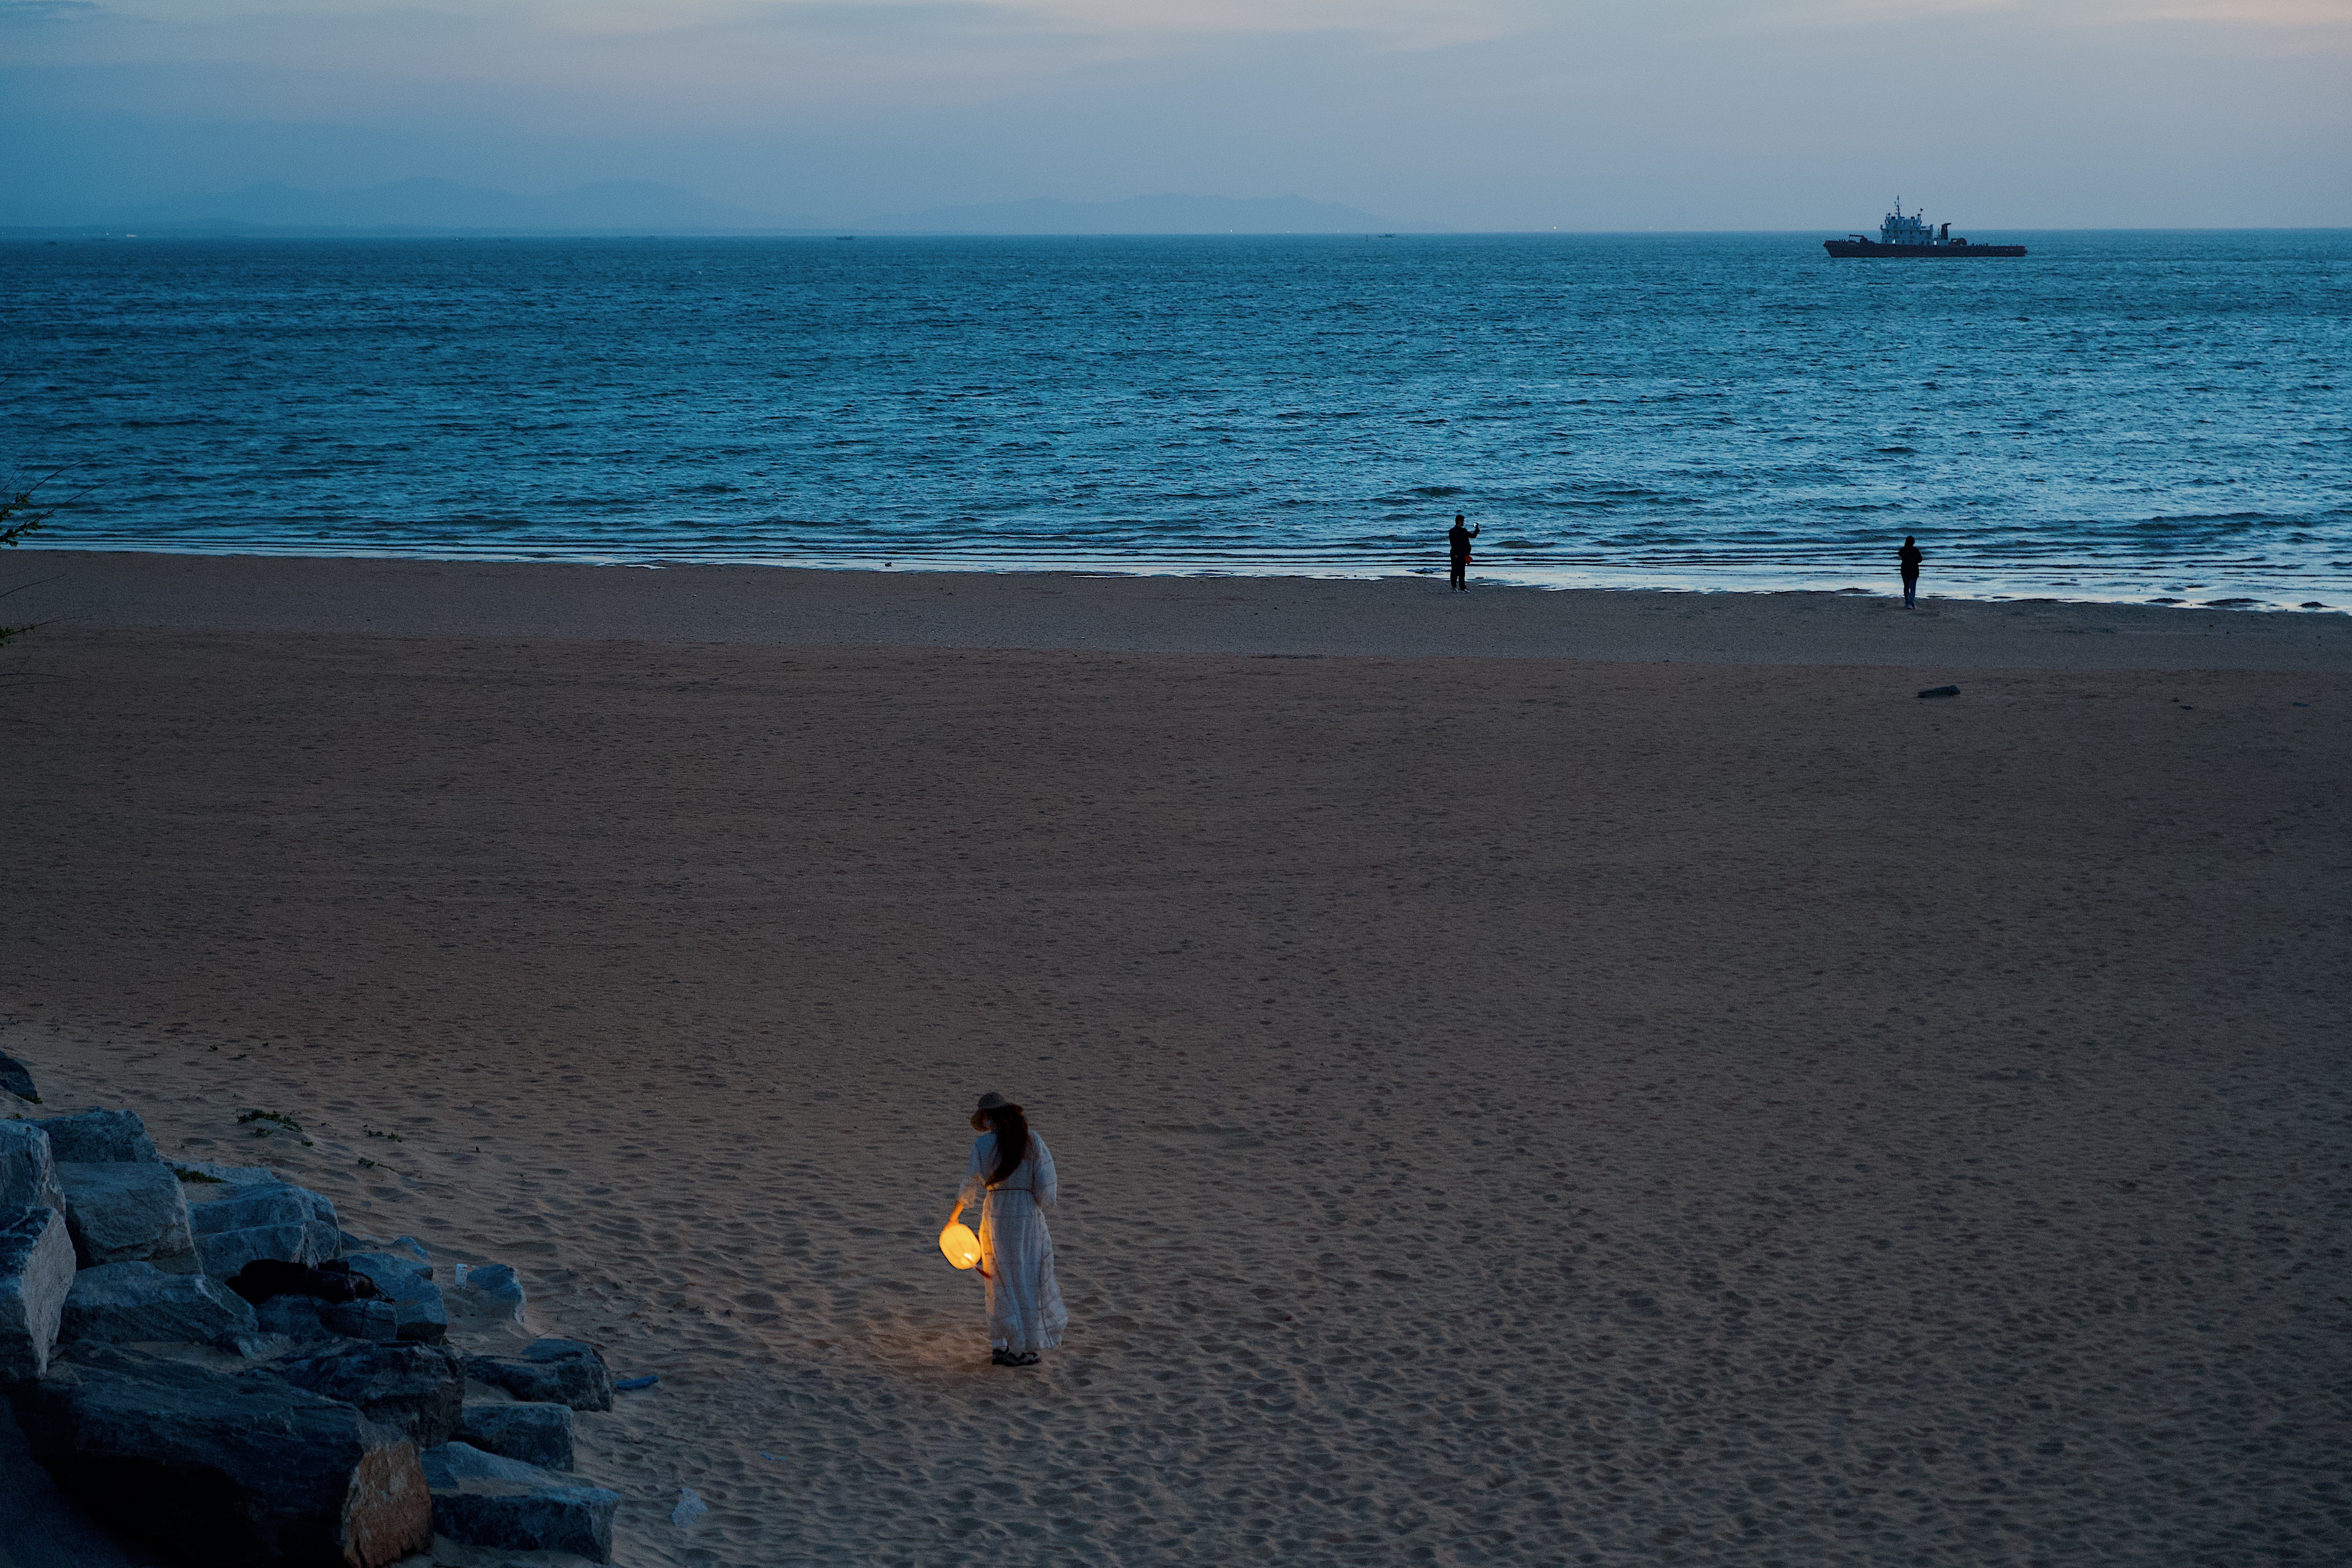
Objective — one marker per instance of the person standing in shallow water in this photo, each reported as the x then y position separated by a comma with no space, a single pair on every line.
1011,1176
1909,557
1457,540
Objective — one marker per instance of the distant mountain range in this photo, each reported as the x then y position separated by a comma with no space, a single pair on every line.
641,207
1145,214
620,206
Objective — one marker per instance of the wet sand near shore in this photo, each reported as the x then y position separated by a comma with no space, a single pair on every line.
1414,616
1525,1109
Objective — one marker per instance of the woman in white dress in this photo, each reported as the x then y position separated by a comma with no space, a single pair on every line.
1010,1175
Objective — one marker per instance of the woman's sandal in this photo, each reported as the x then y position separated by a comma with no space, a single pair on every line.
1006,1358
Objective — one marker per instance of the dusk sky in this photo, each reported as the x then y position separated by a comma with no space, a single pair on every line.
1477,114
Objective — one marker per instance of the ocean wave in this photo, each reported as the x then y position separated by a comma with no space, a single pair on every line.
1598,409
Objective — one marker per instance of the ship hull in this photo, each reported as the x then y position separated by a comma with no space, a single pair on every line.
1923,252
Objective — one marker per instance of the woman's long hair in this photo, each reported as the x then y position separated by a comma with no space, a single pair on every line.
1012,1129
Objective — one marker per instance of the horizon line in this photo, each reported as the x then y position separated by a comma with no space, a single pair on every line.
238,229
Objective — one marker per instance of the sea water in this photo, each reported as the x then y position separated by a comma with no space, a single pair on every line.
2137,415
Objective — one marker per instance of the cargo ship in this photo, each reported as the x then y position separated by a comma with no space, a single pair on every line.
1910,233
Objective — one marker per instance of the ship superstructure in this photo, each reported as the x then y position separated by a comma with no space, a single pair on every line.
1910,233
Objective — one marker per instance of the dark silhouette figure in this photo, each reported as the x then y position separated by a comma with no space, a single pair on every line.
1457,539
1909,558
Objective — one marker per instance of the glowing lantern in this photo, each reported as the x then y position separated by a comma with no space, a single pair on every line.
962,1248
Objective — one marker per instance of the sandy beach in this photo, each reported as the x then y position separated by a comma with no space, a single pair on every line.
1536,1077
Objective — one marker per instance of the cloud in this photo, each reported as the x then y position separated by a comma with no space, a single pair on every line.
1395,23
1469,113
47,11
2046,13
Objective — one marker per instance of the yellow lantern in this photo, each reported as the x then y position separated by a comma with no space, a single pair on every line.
962,1248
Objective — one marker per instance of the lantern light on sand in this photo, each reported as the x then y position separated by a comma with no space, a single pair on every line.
962,1248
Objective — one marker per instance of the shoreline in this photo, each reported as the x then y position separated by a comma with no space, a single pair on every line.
1398,616
1308,566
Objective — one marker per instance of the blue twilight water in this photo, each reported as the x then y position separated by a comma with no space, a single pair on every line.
2129,415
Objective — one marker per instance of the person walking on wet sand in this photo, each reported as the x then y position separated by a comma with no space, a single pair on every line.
1457,539
1011,1176
1909,559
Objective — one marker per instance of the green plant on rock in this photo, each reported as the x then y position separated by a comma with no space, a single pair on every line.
269,1121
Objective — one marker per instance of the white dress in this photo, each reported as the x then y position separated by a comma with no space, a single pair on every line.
1024,1305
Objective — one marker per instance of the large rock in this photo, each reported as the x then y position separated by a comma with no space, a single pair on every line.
228,1469
284,1324
373,1321
417,1390
265,1220
419,1314
536,1434
378,1265
323,1210
122,1213
99,1137
36,1271
557,1372
484,1500
119,1303
496,1286
224,1254
250,1205
29,1171
17,1078
41,1527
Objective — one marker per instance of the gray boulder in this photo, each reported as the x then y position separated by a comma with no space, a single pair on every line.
17,1078
224,1254
379,1265
285,1324
123,1213
419,1314
495,1283
29,1171
415,1390
376,1321
264,1220
36,1271
228,1469
536,1434
99,1137
251,1205
484,1500
119,1303
556,1372
323,1210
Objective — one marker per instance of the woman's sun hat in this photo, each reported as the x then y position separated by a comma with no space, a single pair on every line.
990,1103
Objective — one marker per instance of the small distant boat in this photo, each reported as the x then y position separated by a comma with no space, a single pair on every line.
1910,233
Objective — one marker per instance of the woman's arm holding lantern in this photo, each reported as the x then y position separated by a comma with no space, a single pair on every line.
975,1181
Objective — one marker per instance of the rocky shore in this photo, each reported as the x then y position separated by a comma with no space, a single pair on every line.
203,1359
